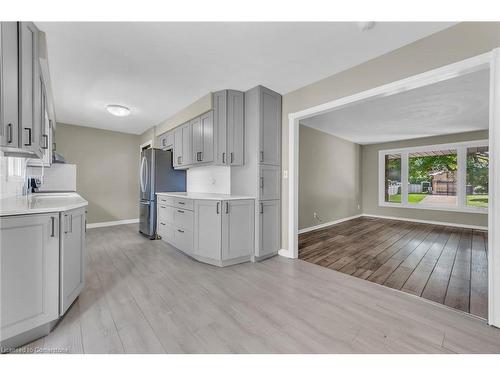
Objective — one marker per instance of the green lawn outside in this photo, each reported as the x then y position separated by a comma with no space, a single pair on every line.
477,200
472,200
412,198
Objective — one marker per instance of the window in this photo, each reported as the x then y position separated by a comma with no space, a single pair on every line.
477,176
442,177
393,178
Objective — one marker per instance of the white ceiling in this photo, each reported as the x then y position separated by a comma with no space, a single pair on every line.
453,106
156,69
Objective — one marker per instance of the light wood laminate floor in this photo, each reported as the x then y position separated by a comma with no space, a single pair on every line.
144,296
443,264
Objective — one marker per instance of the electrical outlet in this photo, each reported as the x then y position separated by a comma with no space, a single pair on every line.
315,216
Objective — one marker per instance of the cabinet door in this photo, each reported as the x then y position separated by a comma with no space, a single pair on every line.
162,141
187,145
207,127
177,146
237,229
72,271
220,127
8,85
197,131
269,181
235,127
270,127
169,140
269,228
29,274
29,84
207,229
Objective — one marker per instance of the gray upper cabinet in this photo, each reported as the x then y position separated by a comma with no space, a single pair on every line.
166,140
187,145
30,92
9,126
29,275
237,229
269,225
25,130
270,127
178,147
72,264
203,138
229,126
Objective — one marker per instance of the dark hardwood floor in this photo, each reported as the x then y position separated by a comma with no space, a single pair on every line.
447,265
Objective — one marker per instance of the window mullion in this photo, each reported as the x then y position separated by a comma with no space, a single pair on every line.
461,175
404,178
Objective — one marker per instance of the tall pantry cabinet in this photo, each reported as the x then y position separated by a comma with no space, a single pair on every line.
260,174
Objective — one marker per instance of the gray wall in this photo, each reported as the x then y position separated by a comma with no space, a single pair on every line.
329,177
454,44
369,171
107,170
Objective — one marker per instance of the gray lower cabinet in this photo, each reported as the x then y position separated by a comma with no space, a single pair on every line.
237,229
72,271
207,229
269,228
29,272
9,126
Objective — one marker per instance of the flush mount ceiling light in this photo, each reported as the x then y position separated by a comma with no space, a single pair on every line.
118,110
365,26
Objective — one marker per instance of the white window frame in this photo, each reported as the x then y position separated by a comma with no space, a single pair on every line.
461,205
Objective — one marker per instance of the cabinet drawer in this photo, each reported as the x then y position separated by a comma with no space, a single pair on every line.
183,219
165,200
183,240
166,231
166,213
183,203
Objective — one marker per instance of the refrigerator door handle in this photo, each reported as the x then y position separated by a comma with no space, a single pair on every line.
142,174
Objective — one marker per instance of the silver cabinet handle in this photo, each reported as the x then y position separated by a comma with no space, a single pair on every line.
9,133
180,211
262,183
181,202
223,158
201,156
46,142
227,207
162,223
217,208
180,231
262,156
261,208
53,225
163,207
29,137
232,158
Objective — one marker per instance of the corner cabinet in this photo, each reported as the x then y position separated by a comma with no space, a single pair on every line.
72,263
217,232
29,272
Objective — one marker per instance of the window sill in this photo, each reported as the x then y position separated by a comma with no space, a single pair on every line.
470,210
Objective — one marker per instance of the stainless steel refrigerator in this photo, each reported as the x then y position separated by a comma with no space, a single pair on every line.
157,174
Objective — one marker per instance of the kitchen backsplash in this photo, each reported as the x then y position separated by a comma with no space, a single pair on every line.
209,179
11,176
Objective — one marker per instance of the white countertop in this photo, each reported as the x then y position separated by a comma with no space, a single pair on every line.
208,196
41,203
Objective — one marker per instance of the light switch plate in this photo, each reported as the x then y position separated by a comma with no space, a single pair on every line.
285,174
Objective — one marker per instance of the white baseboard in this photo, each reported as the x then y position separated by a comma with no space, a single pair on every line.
285,253
427,222
323,225
111,223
